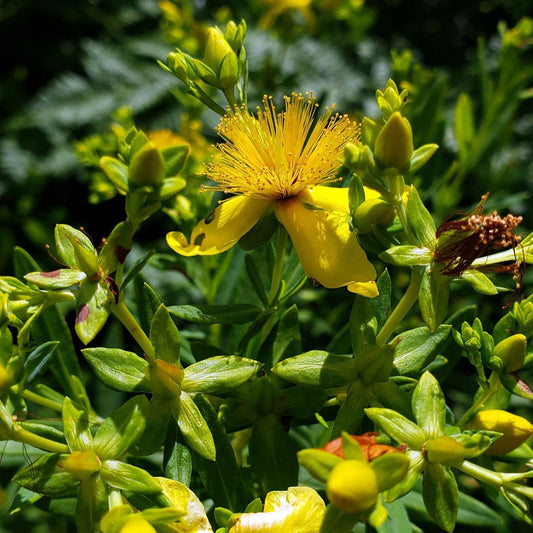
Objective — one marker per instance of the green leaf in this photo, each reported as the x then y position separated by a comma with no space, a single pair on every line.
390,469
255,278
128,477
165,336
356,193
121,429
216,314
56,279
51,325
480,282
272,455
363,326
337,520
156,427
92,305
382,302
352,409
92,504
76,427
175,157
116,171
222,477
261,232
75,248
416,467
302,401
416,348
137,268
318,463
407,255
193,426
421,156
420,221
397,426
288,340
441,496
219,374
317,369
429,406
177,459
119,369
433,297
38,360
47,478
464,125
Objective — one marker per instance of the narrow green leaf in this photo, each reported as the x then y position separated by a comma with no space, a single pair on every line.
116,171
222,477
193,426
91,505
56,279
216,314
38,360
47,478
441,496
352,410
175,157
433,297
337,520
407,255
317,369
156,427
273,455
416,348
429,406
318,463
464,125
390,469
119,369
165,336
92,309
219,374
398,427
363,325
480,282
420,221
128,477
121,429
76,427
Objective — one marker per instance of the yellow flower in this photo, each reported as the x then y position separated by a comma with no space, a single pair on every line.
281,161
298,510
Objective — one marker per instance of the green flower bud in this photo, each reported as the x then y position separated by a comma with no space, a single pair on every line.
178,65
512,352
352,486
394,144
221,59
147,166
515,429
371,212
235,35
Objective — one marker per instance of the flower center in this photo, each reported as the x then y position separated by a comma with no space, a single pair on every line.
278,155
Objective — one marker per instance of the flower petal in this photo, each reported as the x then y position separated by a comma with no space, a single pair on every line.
332,198
328,250
222,228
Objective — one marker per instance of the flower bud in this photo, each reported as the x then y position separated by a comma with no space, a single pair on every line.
178,65
352,486
512,352
371,212
82,465
221,59
394,144
515,429
147,166
165,379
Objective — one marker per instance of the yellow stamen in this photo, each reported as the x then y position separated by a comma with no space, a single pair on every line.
278,155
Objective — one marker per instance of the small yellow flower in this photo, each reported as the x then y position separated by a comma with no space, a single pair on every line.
281,161
515,429
296,510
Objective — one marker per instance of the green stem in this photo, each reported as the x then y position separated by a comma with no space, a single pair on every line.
494,479
278,264
41,400
397,185
114,498
493,385
26,437
404,305
128,321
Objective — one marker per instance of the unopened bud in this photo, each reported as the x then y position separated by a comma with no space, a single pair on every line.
221,59
512,352
177,63
394,144
352,486
147,166
165,379
371,212
515,429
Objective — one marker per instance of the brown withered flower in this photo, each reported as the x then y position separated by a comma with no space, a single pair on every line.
463,240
